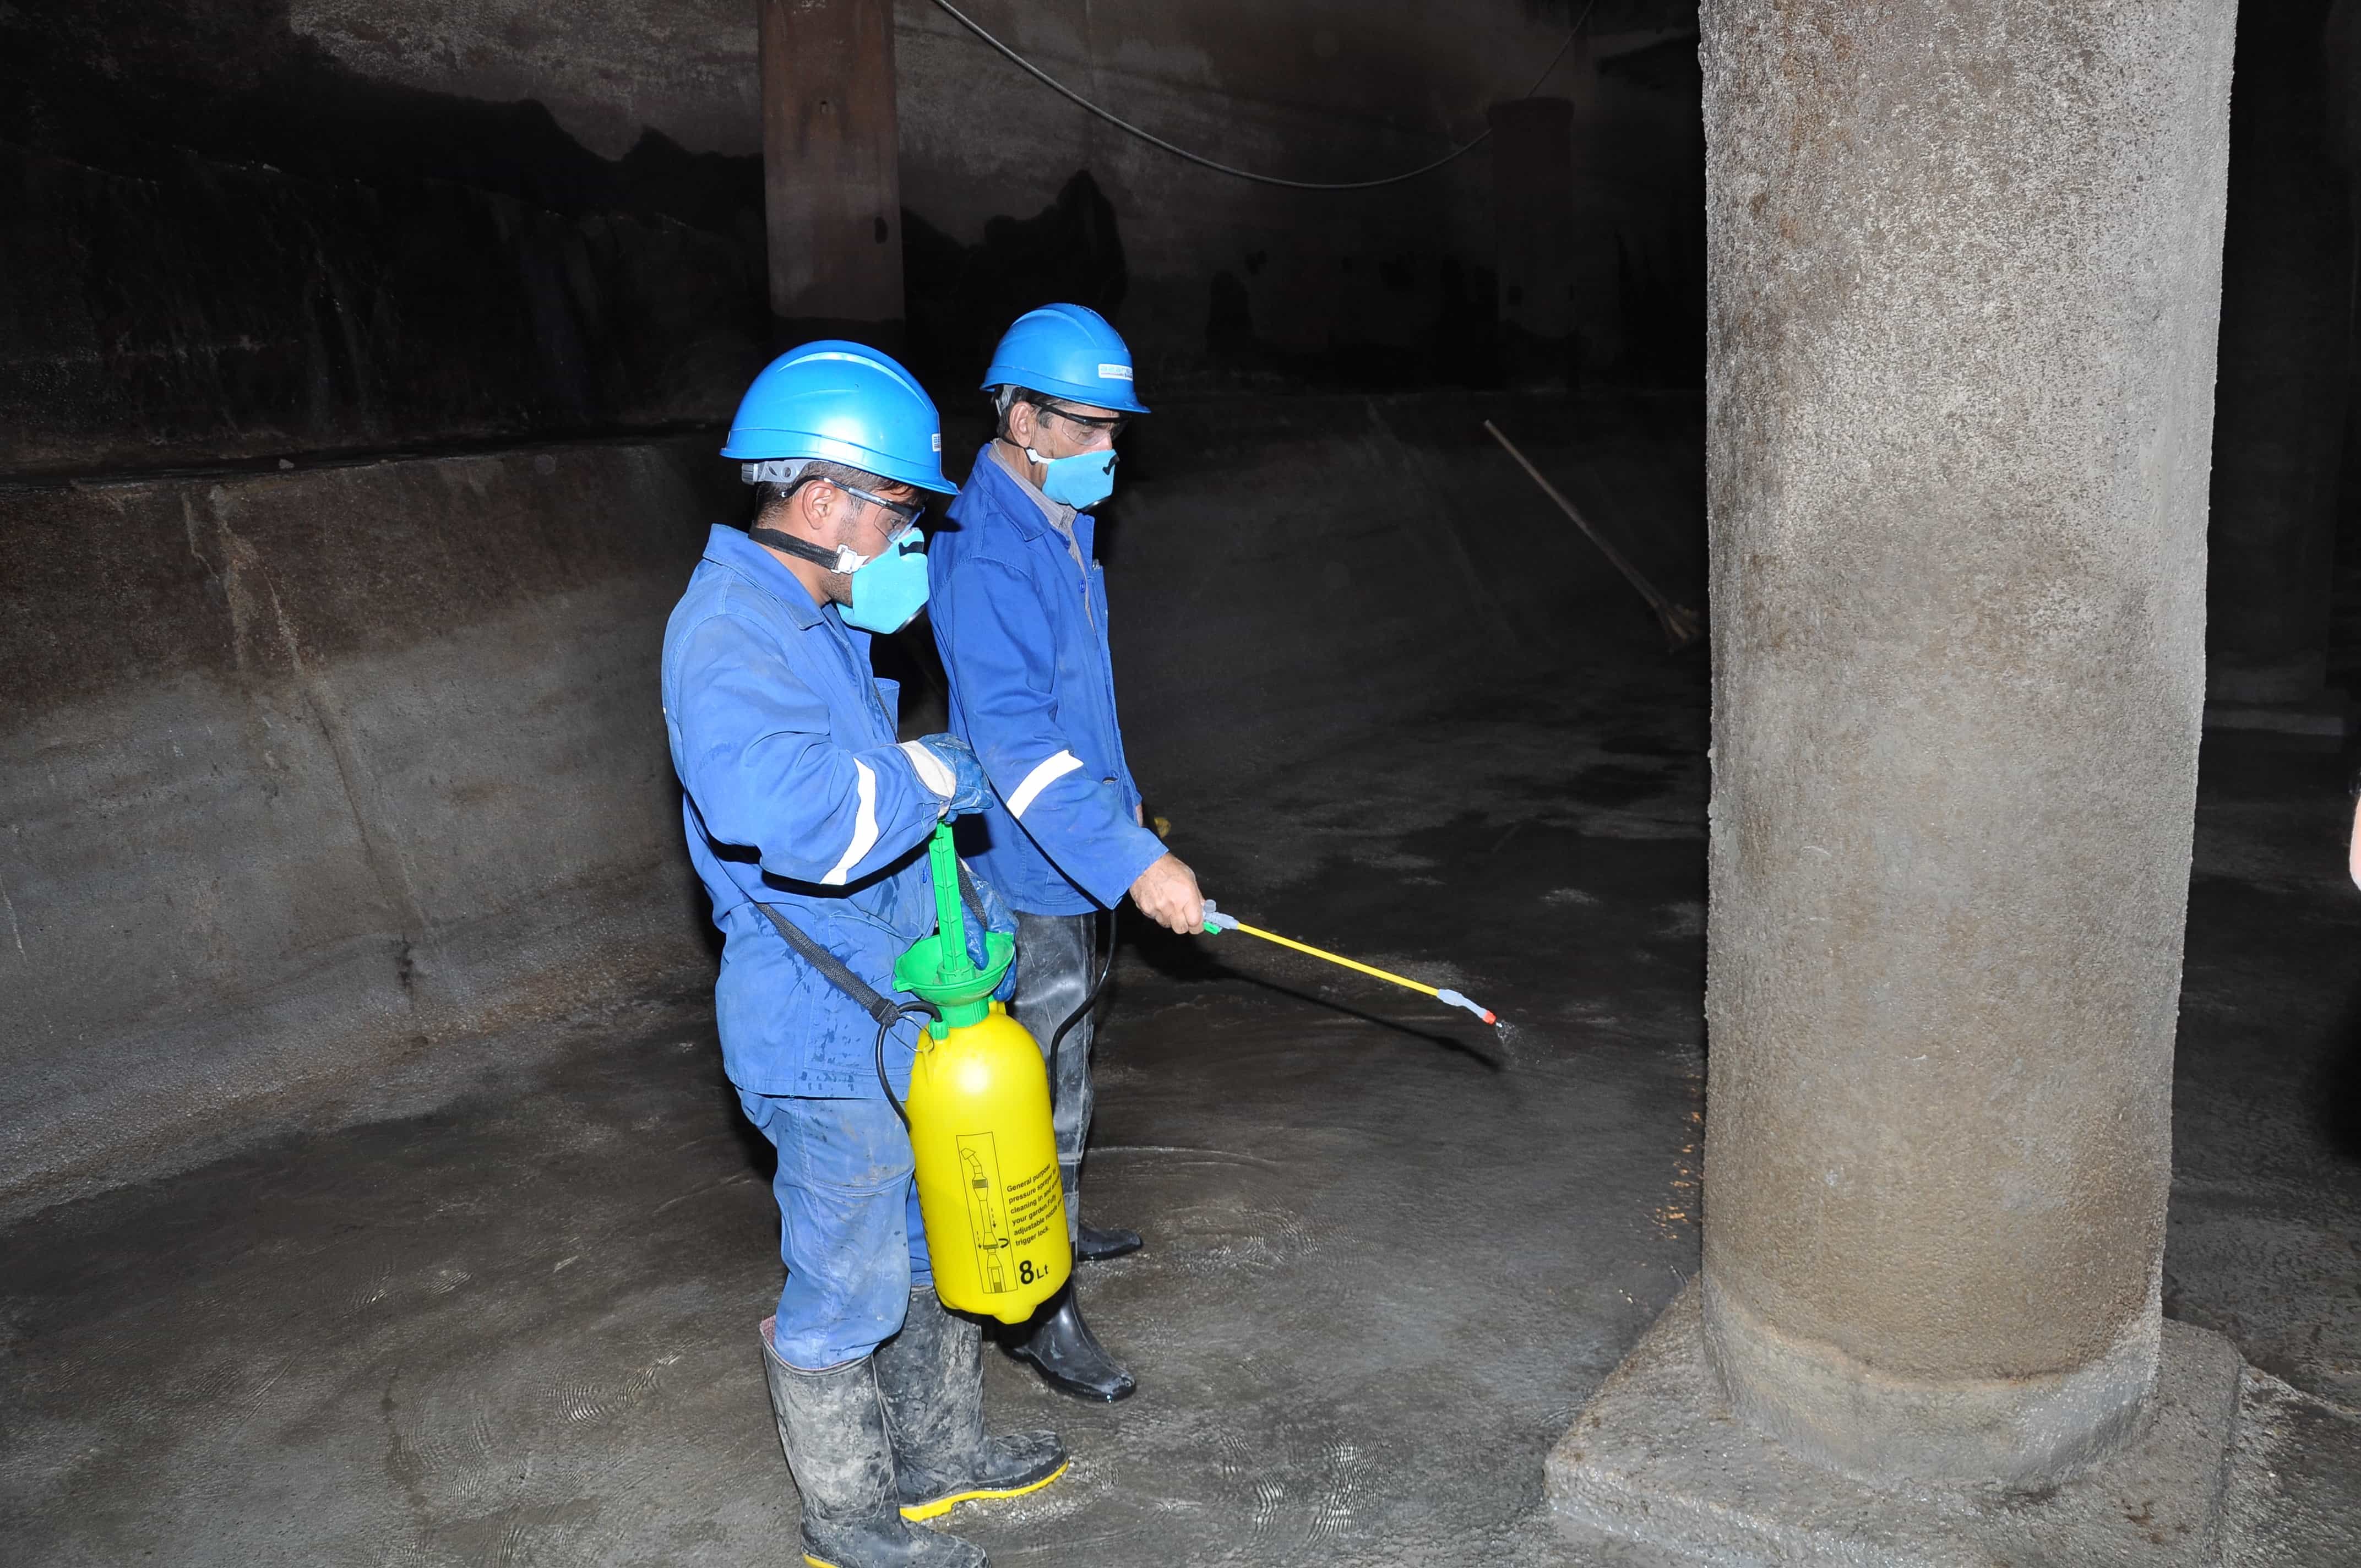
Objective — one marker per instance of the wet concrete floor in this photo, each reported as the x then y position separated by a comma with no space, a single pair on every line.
1390,1252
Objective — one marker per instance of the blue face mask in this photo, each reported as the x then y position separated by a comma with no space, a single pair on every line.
1081,481
889,590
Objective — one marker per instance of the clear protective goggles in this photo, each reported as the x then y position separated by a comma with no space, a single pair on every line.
1113,424
788,472
905,513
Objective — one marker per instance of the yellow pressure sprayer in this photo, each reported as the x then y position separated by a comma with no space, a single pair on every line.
978,1116
1216,922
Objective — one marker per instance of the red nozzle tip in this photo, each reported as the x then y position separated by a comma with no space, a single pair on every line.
1491,1018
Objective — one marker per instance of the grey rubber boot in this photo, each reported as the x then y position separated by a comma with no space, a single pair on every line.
931,1375
832,1429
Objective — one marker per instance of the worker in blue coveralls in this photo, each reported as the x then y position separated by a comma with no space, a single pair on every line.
1020,616
807,824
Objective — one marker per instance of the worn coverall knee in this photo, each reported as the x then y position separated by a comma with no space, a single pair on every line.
849,1226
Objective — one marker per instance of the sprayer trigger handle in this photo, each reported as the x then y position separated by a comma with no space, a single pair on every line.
1216,922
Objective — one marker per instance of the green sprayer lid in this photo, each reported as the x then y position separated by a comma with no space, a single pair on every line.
937,967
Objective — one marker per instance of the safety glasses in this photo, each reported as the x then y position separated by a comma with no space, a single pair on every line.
905,513
1112,423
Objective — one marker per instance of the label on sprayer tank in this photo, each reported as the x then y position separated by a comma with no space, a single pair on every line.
986,1155
1003,1220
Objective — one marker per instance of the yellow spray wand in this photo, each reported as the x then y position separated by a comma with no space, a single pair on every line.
1216,922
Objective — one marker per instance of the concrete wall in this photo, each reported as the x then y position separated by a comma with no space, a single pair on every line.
1287,570
306,772
1374,283
221,243
305,225
1313,90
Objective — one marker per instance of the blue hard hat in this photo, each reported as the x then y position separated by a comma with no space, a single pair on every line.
1067,351
847,403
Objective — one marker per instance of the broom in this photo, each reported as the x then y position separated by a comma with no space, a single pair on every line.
1682,625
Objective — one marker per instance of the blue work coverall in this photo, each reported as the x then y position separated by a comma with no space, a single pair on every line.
796,796
1020,617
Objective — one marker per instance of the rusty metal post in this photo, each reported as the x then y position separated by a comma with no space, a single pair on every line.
1532,196
831,174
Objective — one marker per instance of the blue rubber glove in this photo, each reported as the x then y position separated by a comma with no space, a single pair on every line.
945,765
997,917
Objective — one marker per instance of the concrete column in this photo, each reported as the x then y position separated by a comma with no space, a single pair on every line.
831,175
2286,287
1965,263
1532,204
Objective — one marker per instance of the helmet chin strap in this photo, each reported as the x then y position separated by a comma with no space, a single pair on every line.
841,559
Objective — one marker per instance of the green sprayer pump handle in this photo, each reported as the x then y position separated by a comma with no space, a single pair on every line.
951,927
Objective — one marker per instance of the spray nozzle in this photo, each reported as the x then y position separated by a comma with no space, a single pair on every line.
1456,1000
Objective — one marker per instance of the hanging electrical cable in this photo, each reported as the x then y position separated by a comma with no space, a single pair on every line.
964,20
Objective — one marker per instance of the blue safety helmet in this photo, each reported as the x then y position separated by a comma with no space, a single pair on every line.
1067,351
846,404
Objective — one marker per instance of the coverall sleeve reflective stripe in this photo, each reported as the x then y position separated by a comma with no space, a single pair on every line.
1040,779
864,826
1003,665
758,759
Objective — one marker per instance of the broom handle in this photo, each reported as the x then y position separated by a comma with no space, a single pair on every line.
1631,572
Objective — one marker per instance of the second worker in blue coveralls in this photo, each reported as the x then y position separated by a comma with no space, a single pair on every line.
1020,616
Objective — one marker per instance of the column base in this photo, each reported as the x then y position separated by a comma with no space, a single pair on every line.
1658,1457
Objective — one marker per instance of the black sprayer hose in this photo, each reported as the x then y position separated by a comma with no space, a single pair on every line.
925,1009
1107,969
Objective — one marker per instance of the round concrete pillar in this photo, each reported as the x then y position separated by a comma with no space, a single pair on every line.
1965,273
2287,284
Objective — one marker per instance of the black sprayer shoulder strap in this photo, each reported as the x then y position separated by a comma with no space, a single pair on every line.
881,1008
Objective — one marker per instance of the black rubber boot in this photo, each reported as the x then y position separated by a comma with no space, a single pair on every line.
1092,1244
931,1375
832,1429
1071,1358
